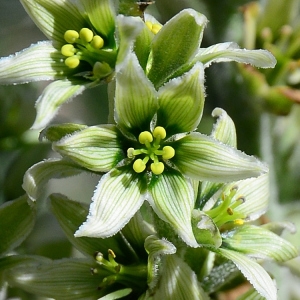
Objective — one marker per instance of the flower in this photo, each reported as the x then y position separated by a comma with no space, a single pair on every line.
152,153
82,50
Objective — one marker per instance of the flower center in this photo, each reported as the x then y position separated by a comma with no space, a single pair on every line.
225,211
89,47
151,151
154,28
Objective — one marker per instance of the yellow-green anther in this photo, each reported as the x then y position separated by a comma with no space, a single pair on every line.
149,25
97,42
68,50
230,211
156,28
168,152
159,132
71,36
130,152
72,62
86,34
139,166
145,137
238,222
101,70
157,168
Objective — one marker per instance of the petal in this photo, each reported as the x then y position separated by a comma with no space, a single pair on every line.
54,17
16,222
225,52
117,294
173,201
39,174
135,100
101,14
40,61
224,129
254,272
53,96
256,192
175,44
258,242
117,197
96,148
178,281
181,101
203,158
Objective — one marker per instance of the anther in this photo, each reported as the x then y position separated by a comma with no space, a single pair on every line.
68,50
72,62
156,28
169,152
130,153
97,42
86,34
157,168
159,132
71,36
139,166
230,211
239,222
145,136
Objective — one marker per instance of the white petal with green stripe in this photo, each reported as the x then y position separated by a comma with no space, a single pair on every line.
54,17
254,272
136,98
53,96
181,101
259,243
117,294
39,174
173,201
225,52
40,61
117,197
203,158
96,148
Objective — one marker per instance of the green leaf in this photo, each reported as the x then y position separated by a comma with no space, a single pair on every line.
53,96
259,243
54,18
173,201
40,61
136,99
225,52
174,45
181,102
203,158
96,148
71,215
39,174
61,279
205,230
118,196
254,273
16,222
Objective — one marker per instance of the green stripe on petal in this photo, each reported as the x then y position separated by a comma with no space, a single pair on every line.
54,17
117,197
259,243
175,44
39,174
40,61
181,101
173,201
135,99
254,272
225,52
203,158
53,96
96,148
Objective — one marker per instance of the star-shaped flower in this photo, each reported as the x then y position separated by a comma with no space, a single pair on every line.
152,153
82,50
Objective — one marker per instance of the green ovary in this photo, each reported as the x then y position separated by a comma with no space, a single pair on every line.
89,47
151,151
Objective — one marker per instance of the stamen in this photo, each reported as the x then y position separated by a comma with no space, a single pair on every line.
72,62
154,28
145,136
71,36
157,168
159,132
86,34
169,152
139,166
68,50
239,222
97,42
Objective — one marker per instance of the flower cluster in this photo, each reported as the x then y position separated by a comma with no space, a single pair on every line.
172,206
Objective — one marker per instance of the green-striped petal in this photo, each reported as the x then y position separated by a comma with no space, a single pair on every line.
259,243
16,222
101,14
174,45
254,272
136,99
252,294
203,158
40,61
117,294
225,52
117,197
54,17
181,102
173,201
39,174
96,148
53,96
